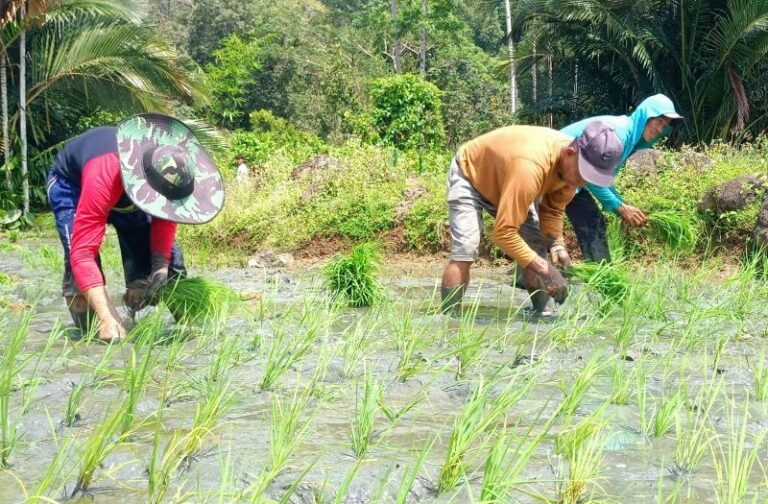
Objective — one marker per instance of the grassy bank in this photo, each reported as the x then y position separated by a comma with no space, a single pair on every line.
369,193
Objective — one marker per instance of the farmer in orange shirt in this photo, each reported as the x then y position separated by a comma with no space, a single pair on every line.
505,171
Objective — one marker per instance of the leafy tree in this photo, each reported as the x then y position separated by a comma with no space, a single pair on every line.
232,81
406,112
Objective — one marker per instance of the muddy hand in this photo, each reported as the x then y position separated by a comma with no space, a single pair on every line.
560,257
136,295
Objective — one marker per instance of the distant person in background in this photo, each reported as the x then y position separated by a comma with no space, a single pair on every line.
243,173
143,177
504,172
648,124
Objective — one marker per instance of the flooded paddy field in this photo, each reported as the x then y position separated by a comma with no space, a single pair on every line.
288,398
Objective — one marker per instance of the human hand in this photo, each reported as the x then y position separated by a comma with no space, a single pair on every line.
111,330
156,281
559,255
551,281
632,216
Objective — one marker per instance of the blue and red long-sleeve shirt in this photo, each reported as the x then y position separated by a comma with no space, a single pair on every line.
91,161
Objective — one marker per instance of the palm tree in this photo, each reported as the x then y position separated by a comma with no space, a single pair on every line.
704,54
89,55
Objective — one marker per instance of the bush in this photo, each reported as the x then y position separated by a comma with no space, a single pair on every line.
427,221
406,112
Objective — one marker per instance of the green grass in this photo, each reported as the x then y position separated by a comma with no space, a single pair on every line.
351,279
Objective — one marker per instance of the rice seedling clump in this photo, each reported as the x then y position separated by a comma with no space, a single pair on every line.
604,277
677,229
196,299
352,278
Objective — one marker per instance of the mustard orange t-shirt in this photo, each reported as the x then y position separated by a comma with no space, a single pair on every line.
511,167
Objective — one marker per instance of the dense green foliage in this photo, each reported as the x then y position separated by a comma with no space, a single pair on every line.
389,96
406,112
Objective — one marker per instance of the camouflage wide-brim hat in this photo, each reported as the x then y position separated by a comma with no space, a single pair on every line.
166,171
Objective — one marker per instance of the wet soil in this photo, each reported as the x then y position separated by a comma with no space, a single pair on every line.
635,468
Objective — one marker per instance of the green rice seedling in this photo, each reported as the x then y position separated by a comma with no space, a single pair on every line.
137,372
625,336
357,338
99,444
58,471
352,280
394,415
666,413
720,345
227,355
29,388
286,431
411,473
694,432
206,418
343,490
478,414
10,365
570,441
577,391
468,342
505,463
676,229
285,435
283,352
583,470
605,278
407,339
161,466
760,376
46,256
197,299
74,403
621,384
734,462
365,415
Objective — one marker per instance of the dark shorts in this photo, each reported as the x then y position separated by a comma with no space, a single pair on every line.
132,234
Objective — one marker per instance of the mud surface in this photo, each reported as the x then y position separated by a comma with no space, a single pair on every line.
545,355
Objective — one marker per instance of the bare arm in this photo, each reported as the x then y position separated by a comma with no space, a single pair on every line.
110,324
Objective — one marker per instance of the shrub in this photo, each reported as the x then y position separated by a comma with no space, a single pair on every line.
406,112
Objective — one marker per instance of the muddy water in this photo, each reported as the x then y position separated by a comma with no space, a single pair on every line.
635,467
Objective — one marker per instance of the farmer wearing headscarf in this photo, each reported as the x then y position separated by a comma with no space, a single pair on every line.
143,177
648,124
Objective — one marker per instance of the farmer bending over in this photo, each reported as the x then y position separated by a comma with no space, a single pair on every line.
650,122
143,177
503,172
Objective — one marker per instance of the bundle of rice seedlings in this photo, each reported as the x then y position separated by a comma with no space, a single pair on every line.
352,278
196,299
677,229
604,277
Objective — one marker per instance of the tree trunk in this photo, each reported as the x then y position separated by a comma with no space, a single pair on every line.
512,67
23,110
550,84
397,47
423,41
4,100
575,91
534,80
